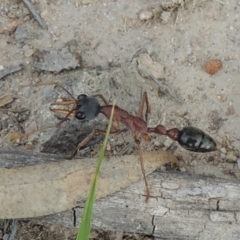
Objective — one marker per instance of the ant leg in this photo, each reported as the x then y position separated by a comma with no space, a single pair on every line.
101,97
52,126
62,111
142,168
141,107
87,139
63,103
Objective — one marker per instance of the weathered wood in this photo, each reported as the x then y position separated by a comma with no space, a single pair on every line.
14,159
182,206
49,188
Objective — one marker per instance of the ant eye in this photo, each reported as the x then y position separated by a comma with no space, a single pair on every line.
81,97
80,115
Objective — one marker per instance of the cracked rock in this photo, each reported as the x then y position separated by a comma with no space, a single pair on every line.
147,67
57,60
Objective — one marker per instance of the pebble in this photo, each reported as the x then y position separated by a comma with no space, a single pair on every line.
108,147
183,169
28,52
156,143
147,67
120,141
230,111
163,168
165,16
7,26
192,59
28,146
22,33
145,15
212,66
223,150
222,97
231,157
223,155
194,163
168,142
57,60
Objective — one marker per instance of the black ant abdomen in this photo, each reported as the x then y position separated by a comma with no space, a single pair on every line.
194,139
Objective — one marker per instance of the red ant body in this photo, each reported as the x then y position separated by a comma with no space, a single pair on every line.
88,108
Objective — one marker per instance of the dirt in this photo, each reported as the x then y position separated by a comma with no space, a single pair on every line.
96,47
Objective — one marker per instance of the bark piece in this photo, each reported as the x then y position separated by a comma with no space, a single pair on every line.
6,99
182,206
54,187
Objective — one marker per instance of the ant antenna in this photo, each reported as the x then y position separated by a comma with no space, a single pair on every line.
46,84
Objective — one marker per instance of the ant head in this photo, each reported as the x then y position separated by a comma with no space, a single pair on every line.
87,107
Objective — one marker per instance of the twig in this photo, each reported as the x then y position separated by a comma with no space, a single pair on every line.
34,13
164,89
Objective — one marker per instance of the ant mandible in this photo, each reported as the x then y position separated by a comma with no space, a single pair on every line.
88,108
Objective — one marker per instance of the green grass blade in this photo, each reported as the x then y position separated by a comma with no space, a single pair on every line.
85,225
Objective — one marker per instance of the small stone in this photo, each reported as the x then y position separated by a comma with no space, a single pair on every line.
36,80
147,67
231,157
230,111
28,52
167,143
223,150
14,137
192,59
44,14
223,155
6,99
145,15
120,141
56,60
194,163
222,97
156,143
7,26
212,66
163,168
183,169
22,33
29,146
165,16
108,147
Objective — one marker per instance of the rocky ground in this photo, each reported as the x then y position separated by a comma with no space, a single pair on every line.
113,47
